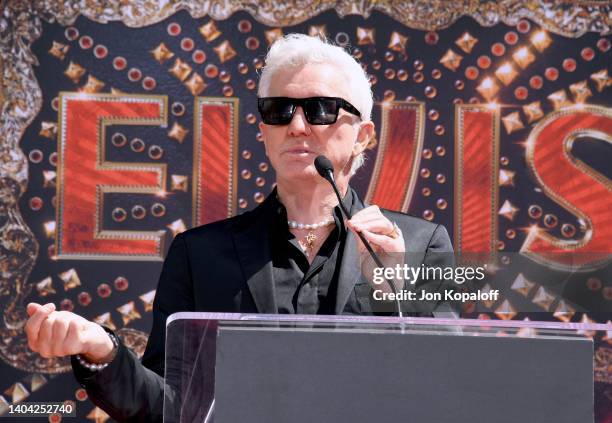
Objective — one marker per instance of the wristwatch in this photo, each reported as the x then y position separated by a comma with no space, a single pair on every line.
96,367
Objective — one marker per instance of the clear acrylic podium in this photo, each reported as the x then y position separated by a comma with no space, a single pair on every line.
291,368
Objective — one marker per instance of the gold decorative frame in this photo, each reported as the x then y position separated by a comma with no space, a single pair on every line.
419,135
567,147
21,97
103,164
458,183
197,153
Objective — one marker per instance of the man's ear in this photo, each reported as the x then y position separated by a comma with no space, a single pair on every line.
365,134
262,129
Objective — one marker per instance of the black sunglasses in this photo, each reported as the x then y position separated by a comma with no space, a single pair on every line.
318,110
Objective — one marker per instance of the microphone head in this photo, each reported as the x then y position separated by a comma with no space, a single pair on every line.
324,167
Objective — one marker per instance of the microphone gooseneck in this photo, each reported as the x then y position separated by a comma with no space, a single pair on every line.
325,168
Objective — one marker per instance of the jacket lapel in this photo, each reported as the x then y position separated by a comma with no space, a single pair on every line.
350,270
252,243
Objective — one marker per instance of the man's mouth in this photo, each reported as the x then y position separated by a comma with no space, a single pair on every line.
300,151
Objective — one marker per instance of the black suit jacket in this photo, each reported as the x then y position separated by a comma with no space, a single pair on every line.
226,266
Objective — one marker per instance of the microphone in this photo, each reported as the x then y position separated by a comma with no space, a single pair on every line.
326,169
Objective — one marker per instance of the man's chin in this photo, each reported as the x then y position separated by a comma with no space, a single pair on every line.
298,171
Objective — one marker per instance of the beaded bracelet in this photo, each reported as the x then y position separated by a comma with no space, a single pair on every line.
96,367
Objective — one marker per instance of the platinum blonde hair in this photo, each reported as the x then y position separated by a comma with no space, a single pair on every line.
295,50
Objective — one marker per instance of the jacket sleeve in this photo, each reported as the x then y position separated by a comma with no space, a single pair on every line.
130,390
440,254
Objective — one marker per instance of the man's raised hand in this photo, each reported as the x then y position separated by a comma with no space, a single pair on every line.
54,333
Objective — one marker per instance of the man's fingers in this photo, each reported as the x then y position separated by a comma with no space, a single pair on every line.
371,219
44,337
360,218
382,227
58,337
384,242
369,213
33,308
360,245
74,339
32,327
55,334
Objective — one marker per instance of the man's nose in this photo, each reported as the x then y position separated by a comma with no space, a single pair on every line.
299,125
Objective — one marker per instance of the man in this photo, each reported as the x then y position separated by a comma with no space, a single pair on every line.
292,254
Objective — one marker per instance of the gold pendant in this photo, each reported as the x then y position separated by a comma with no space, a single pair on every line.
308,243
310,239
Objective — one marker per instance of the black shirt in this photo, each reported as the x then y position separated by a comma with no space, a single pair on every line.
300,287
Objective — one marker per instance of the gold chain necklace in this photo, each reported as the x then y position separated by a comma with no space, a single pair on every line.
308,243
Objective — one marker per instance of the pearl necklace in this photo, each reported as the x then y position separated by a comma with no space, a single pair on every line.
309,240
310,226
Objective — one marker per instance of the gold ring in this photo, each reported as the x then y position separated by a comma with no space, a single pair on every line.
395,232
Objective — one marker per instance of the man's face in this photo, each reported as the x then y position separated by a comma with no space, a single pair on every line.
292,148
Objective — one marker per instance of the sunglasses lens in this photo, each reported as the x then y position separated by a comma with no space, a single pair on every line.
280,110
321,111
276,111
